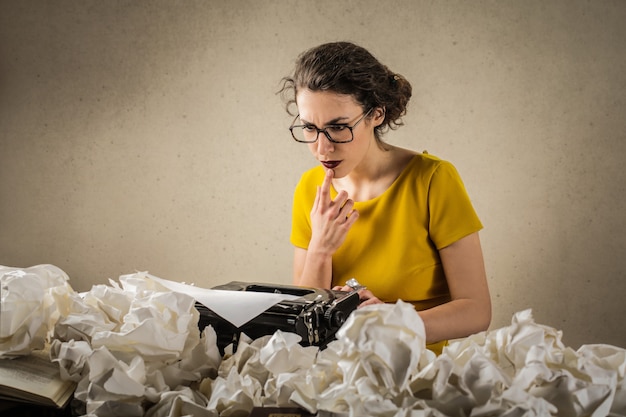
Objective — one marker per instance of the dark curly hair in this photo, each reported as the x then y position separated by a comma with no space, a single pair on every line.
346,68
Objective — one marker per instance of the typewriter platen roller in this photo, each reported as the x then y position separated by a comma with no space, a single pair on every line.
315,315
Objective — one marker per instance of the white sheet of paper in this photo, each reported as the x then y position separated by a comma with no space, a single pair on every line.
237,307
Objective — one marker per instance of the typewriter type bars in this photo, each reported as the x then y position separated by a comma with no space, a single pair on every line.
315,315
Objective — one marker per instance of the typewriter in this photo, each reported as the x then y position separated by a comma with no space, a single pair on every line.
315,315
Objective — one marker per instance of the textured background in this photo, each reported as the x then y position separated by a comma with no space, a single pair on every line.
147,135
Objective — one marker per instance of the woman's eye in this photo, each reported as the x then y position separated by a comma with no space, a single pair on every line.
337,128
309,128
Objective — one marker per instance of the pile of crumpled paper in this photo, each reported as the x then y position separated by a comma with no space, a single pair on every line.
134,349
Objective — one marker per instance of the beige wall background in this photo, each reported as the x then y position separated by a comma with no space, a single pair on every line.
147,135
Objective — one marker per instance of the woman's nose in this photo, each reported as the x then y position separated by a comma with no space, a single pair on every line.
324,146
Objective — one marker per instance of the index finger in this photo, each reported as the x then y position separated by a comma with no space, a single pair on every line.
327,181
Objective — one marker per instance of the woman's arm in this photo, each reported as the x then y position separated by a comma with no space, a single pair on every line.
469,311
317,266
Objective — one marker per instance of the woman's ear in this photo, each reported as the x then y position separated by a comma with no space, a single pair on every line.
378,116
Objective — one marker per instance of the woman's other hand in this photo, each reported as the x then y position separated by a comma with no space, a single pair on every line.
366,297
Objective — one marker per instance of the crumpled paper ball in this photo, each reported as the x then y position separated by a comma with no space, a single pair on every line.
180,403
28,307
157,323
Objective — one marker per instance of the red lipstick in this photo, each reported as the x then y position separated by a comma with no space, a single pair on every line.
331,164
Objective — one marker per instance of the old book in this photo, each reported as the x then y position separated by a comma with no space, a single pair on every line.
34,379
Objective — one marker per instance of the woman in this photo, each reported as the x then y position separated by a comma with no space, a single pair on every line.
398,221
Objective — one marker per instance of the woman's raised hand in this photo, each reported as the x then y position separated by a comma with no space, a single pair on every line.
330,219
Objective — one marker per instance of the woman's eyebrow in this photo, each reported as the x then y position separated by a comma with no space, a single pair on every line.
334,121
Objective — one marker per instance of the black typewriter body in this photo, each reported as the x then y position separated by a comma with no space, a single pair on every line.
315,315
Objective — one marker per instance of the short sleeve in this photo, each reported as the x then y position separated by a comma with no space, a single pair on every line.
303,198
451,213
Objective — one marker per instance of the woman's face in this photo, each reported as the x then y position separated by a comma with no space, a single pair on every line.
323,108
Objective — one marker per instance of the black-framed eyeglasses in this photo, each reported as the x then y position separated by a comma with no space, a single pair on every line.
309,133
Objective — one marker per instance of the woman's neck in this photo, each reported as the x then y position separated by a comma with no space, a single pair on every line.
375,174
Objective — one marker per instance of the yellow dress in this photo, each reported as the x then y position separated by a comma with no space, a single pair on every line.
392,248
